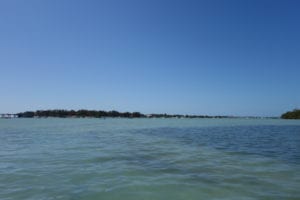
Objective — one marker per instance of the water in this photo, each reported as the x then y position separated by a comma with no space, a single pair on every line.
141,159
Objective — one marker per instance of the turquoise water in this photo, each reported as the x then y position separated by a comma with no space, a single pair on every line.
141,159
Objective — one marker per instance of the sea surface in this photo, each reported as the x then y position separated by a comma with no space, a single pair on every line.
149,159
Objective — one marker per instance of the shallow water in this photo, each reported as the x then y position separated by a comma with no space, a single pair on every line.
149,159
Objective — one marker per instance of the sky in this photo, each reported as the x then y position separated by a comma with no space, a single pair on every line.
214,57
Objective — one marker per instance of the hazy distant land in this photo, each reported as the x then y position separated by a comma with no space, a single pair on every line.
61,113
82,113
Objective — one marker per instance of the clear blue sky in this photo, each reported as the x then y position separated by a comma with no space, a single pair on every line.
157,56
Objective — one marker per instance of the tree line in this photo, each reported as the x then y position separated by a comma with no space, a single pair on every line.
100,114
295,114
79,113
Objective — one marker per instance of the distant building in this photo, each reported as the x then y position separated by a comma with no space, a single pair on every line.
8,116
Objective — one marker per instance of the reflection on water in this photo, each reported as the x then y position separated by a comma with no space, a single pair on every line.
149,159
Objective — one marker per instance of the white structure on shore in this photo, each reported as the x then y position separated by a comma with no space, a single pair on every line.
8,116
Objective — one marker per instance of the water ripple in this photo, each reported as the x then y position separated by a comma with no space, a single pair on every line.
154,159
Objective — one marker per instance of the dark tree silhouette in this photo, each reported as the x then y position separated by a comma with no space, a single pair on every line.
98,114
295,114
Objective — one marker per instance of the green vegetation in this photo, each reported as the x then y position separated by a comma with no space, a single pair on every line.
295,114
101,113
79,113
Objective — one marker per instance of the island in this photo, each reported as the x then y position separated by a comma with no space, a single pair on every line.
102,114
295,114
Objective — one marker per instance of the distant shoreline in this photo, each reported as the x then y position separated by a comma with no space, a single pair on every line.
295,114
60,113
